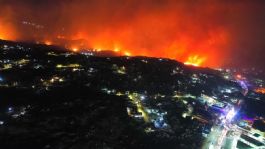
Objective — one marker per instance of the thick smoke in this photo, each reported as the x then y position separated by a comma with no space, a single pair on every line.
214,31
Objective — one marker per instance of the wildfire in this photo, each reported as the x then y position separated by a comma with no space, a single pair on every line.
127,53
75,49
3,36
47,42
6,31
116,50
1,33
172,31
195,61
260,90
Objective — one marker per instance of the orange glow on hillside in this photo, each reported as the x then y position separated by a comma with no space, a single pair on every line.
75,49
169,29
98,50
6,32
126,53
195,61
47,42
117,50
260,90
125,42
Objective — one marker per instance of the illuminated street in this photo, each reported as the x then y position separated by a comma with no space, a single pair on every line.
136,100
222,138
212,140
216,139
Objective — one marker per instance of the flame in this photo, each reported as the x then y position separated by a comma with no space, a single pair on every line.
116,50
7,29
48,42
168,29
260,90
195,61
126,53
5,33
2,36
75,49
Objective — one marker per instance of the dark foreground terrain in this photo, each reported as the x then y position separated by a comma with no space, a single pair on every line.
51,98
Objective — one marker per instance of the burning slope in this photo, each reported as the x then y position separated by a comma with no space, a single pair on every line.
195,32
195,61
7,31
260,90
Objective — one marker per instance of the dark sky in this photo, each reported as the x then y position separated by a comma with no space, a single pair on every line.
219,32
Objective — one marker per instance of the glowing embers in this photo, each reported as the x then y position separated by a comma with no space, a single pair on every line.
195,61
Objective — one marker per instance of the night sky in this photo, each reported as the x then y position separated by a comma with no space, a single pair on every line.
216,32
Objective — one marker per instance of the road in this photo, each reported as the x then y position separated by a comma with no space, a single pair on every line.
222,138
225,137
140,107
215,138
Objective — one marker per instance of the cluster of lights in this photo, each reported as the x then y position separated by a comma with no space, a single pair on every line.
229,116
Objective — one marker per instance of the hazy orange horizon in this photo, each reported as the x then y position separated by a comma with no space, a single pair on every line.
205,32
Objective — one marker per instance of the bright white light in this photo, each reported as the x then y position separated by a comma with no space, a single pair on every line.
211,146
223,121
10,109
221,117
230,114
